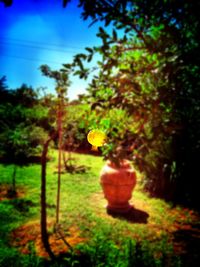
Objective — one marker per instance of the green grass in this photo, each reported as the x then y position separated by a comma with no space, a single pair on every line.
108,241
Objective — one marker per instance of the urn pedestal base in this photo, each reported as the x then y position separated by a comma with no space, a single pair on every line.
119,209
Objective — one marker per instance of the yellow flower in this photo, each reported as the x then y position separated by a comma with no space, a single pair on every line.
96,138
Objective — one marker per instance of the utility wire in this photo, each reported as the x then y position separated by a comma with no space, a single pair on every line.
38,60
32,59
38,47
32,43
8,41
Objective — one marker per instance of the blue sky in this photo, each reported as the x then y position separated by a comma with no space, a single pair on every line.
35,32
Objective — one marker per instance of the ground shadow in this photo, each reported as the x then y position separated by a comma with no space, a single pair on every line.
133,215
187,241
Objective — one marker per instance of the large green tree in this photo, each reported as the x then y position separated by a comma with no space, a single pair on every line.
149,67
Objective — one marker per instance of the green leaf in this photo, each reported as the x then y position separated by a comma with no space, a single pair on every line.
90,50
105,123
67,66
90,58
114,35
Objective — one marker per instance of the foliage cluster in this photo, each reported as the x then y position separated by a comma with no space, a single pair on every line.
103,252
21,130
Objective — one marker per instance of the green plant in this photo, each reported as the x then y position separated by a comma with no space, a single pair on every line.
120,131
22,133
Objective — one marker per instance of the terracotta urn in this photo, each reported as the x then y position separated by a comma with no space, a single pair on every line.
118,184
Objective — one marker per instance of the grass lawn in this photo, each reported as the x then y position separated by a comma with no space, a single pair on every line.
156,235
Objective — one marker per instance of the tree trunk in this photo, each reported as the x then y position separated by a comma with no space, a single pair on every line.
59,160
43,222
